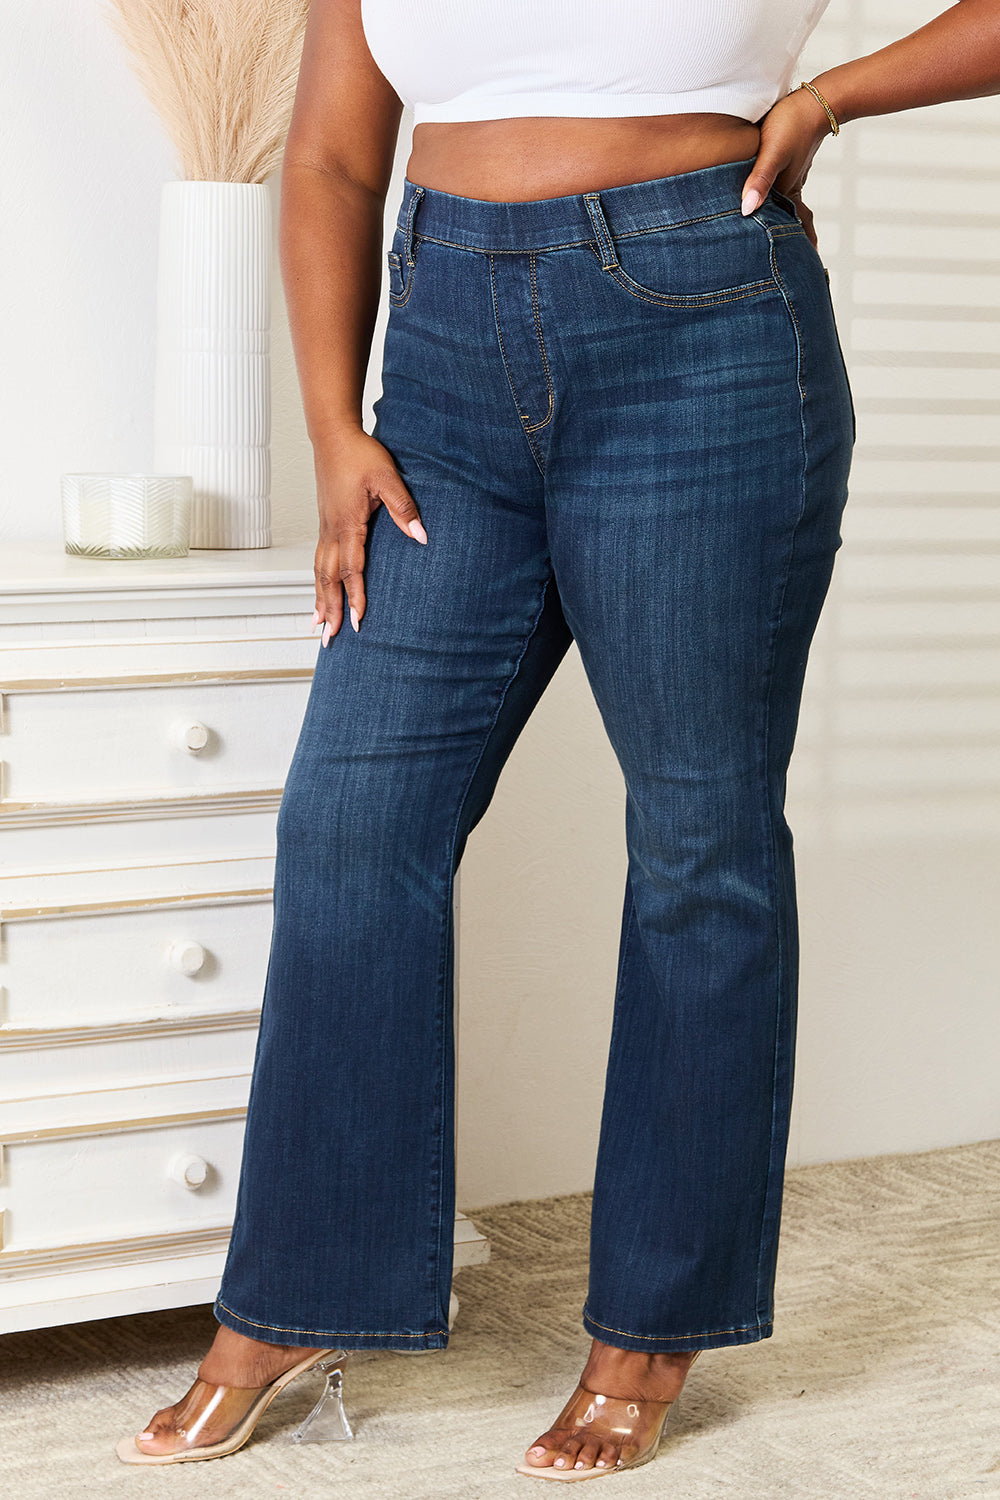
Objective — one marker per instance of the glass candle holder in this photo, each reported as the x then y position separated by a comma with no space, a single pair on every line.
127,515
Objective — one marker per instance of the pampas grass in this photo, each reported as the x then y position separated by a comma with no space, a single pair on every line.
221,74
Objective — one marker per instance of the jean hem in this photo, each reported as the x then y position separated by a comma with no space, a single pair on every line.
326,1338
658,1343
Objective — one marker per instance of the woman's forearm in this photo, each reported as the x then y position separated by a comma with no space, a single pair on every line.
330,246
955,56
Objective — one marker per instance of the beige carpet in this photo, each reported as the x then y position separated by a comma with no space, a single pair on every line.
882,1379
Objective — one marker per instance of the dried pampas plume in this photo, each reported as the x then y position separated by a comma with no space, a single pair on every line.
221,74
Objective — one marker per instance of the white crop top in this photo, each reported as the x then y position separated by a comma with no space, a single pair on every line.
490,59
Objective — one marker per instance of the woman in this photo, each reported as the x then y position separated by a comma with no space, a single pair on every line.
614,409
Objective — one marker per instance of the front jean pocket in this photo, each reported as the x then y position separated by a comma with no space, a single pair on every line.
397,285
719,259
400,272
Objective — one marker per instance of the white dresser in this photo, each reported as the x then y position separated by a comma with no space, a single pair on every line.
149,712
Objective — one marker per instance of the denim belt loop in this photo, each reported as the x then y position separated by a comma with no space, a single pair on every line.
411,214
606,244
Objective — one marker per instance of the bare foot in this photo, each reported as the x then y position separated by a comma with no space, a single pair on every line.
233,1360
623,1373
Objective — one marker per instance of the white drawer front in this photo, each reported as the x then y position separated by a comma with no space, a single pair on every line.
87,1190
146,1055
99,968
101,743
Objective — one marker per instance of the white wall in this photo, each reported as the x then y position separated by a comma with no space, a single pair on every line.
895,794
83,159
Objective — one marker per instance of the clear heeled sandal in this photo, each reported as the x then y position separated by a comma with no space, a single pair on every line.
327,1422
634,1427
238,1409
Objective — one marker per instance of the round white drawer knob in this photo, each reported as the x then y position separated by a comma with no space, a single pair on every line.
187,1169
192,736
186,956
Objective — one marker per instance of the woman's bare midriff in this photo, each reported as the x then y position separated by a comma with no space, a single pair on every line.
541,156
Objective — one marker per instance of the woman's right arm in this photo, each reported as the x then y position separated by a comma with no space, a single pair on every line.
335,176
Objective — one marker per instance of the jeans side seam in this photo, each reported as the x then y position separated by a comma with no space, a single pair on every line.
776,631
407,228
414,202
616,1012
238,1212
402,300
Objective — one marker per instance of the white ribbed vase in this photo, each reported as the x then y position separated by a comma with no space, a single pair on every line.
212,408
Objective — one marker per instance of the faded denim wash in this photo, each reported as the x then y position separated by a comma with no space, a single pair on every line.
625,418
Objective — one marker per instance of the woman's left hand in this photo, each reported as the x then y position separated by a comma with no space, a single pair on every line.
790,136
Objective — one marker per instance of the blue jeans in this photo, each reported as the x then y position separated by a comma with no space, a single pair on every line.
625,419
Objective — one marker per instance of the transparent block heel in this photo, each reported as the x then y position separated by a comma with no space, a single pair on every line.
327,1422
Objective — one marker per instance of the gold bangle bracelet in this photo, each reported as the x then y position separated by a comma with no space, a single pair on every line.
834,127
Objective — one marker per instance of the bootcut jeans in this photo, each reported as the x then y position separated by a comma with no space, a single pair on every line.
625,419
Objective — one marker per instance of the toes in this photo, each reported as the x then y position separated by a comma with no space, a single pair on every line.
589,1453
160,1440
542,1453
557,1450
160,1436
561,1450
554,1450
568,1453
608,1457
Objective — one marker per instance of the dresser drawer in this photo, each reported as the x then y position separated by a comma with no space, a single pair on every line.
97,966
148,1053
80,742
83,1192
131,974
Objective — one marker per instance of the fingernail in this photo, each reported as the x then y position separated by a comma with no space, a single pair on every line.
355,621
327,633
315,618
751,200
415,529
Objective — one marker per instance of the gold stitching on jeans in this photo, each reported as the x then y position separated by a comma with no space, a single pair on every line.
401,301
702,299
599,224
418,193
672,1338
631,234
776,274
407,230
606,249
503,351
321,1333
534,427
727,213
510,378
